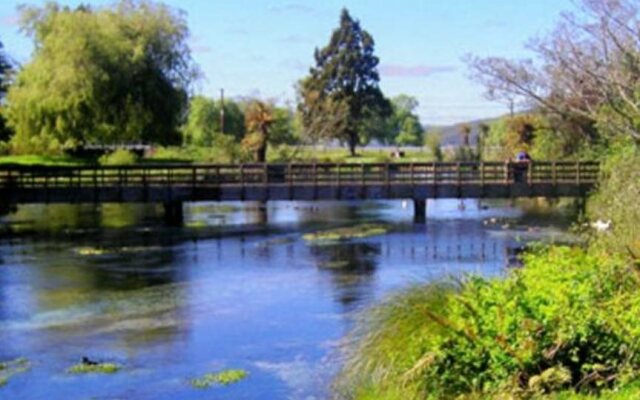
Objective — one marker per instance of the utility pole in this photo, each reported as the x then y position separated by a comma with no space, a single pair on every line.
222,111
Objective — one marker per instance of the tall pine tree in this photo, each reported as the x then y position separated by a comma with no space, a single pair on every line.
341,92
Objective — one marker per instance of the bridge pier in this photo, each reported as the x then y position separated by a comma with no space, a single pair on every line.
419,211
6,208
173,213
581,205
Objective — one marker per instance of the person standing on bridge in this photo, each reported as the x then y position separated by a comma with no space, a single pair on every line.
521,166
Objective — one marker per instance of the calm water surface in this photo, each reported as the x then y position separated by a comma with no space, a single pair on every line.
237,287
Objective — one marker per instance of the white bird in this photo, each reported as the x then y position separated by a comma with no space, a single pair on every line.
601,226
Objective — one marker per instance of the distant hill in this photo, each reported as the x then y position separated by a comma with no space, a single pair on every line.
451,133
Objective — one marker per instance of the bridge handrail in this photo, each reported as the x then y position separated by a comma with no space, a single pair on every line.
208,175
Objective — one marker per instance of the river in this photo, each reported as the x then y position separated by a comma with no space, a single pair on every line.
237,287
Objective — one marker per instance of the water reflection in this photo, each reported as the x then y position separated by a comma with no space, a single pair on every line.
351,267
237,287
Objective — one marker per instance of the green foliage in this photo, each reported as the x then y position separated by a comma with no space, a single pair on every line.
567,321
341,93
224,149
41,160
101,75
282,130
286,153
204,121
4,149
617,200
91,368
118,157
6,69
402,127
408,130
433,141
463,153
224,378
537,134
200,126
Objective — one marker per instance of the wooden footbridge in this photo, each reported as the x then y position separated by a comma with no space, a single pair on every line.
173,185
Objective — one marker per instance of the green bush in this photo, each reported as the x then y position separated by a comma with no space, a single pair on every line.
568,321
118,157
617,200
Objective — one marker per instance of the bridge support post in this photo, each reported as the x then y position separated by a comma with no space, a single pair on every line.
581,205
5,209
262,213
173,213
419,211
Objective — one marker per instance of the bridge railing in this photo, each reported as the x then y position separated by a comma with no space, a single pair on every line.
213,175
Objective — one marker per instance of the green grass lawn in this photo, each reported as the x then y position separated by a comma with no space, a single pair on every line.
42,160
186,155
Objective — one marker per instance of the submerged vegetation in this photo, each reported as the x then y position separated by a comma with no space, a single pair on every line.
223,378
354,232
11,368
89,367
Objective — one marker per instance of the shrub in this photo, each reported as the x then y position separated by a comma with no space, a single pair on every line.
569,320
617,200
118,157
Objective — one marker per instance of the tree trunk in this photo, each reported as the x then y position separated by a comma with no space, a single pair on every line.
261,154
353,142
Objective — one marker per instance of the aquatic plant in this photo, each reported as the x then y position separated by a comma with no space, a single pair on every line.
569,321
11,368
85,367
199,224
354,232
101,251
90,251
223,378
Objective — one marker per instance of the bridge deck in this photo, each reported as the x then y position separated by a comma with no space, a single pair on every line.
321,181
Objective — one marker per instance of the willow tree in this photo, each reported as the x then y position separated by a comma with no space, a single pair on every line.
5,70
101,75
203,122
341,92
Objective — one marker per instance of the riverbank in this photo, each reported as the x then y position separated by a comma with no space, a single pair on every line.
565,326
568,321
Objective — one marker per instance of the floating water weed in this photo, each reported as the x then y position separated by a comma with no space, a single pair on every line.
90,367
355,232
11,368
223,378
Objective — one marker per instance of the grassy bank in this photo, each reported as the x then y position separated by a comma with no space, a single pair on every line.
200,155
568,322
42,160
566,326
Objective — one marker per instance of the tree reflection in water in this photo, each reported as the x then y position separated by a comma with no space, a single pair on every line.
352,268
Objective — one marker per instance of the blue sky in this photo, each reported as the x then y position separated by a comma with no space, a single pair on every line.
263,47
